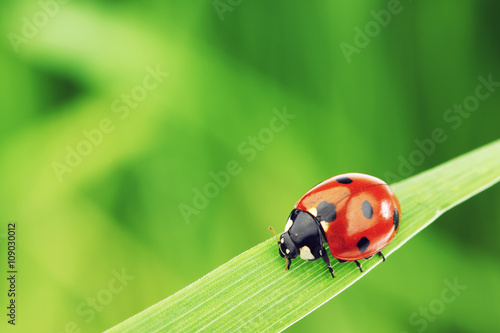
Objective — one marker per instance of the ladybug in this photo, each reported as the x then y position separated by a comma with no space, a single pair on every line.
356,214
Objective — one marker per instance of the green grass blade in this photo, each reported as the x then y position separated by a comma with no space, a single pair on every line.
251,291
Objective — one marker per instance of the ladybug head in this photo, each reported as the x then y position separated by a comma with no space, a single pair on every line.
287,248
303,237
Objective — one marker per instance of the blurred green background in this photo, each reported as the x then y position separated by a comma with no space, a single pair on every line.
115,116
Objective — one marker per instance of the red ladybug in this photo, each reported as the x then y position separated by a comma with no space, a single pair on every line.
357,214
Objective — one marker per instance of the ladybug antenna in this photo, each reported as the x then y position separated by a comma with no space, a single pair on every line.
277,238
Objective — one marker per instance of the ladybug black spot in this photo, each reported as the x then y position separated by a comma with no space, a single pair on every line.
367,209
363,244
326,211
396,219
344,180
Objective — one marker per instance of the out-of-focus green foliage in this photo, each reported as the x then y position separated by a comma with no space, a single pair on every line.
143,144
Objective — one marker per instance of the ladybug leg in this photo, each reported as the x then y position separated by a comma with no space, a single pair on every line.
288,263
341,261
324,255
382,255
359,265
